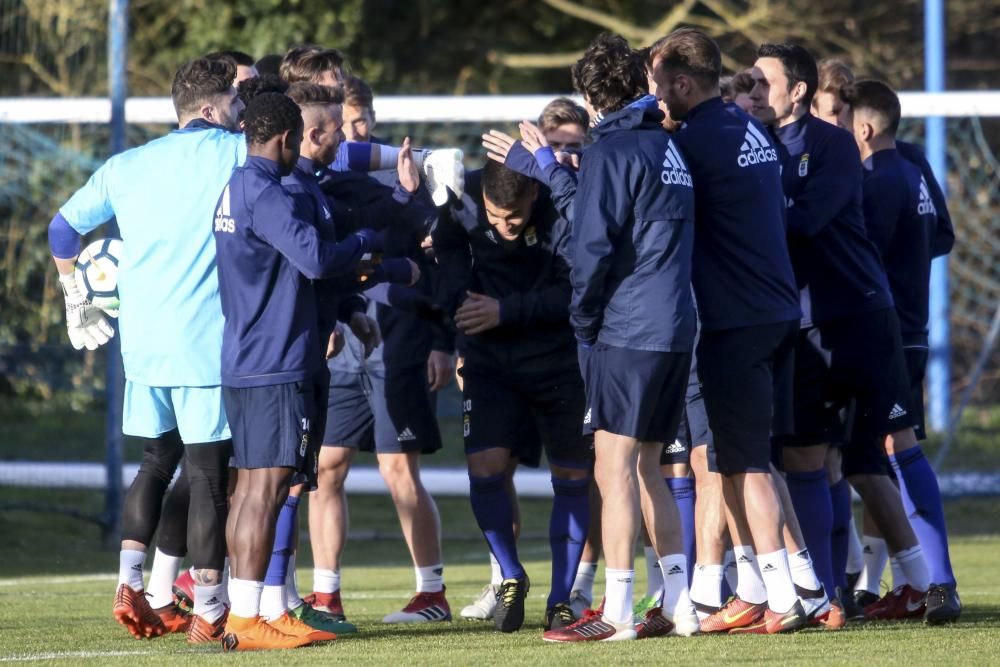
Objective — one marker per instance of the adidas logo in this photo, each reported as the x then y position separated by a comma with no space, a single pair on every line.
744,559
676,569
769,568
804,554
897,412
406,435
926,204
137,568
675,448
439,571
867,549
214,601
756,149
586,418
675,171
434,613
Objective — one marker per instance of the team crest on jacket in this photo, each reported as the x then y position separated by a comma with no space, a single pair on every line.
530,237
675,171
804,165
756,149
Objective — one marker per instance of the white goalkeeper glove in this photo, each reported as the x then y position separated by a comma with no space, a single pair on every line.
444,170
85,322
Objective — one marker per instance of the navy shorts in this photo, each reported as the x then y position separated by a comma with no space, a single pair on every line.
746,376
524,412
386,413
865,453
850,365
693,431
635,393
276,426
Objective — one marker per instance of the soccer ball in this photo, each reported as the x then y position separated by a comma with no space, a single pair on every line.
97,274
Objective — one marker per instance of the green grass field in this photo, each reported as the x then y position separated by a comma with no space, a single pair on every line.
55,601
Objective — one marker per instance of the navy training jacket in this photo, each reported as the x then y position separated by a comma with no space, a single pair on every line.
633,236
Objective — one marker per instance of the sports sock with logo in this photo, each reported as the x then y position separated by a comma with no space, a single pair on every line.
496,574
811,500
730,574
875,554
706,588
749,584
918,485
914,566
292,598
326,581
654,578
584,582
855,557
160,591
208,602
618,595
272,604
803,571
245,596
567,534
430,579
492,508
676,599
840,496
130,564
682,488
778,580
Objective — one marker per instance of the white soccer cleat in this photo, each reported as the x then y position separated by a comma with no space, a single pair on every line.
685,622
814,605
444,169
483,607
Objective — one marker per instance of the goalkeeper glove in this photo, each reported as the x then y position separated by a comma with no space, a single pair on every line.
85,322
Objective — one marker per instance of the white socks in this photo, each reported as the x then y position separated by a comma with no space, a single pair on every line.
584,581
706,587
326,581
208,602
130,564
272,602
618,595
778,580
914,567
749,584
803,573
496,574
676,600
898,576
875,554
430,579
160,591
855,557
654,578
245,596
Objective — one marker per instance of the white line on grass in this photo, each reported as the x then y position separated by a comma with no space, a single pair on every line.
55,581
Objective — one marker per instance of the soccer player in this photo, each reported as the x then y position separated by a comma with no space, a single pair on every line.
246,68
502,253
162,195
849,348
740,86
747,301
272,360
381,399
900,218
633,316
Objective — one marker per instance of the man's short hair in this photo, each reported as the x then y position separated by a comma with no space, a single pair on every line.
562,111
741,83
200,80
357,93
307,94
308,62
610,74
875,97
504,187
269,64
268,115
248,89
798,64
833,75
238,57
690,52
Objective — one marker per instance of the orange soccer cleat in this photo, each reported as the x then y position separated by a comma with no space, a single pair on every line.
131,609
247,634
736,613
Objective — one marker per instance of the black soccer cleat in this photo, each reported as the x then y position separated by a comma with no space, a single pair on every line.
864,598
852,611
509,614
559,616
943,605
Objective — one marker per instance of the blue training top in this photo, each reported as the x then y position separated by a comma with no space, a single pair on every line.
741,271
163,195
269,251
837,267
